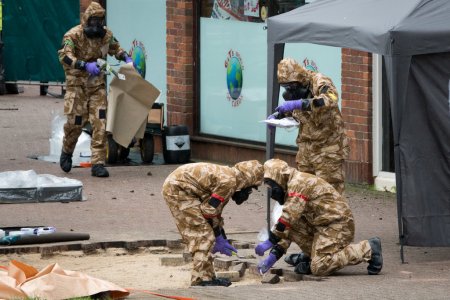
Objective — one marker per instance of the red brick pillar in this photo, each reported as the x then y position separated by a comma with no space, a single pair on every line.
357,112
180,62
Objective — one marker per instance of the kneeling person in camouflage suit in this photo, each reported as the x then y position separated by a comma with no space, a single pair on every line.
319,220
196,195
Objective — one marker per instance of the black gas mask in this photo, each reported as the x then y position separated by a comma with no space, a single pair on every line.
95,27
295,91
276,191
242,195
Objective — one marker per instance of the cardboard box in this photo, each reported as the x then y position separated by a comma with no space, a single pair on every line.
156,115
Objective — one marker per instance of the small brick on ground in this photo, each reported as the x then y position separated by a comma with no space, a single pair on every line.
172,261
174,244
270,278
223,263
277,271
240,268
233,276
240,245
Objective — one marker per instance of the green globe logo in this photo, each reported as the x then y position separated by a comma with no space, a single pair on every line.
139,60
234,77
139,55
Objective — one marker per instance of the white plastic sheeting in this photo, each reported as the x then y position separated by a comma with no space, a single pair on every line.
28,186
82,152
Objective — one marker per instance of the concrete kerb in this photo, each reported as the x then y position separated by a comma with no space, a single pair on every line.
90,248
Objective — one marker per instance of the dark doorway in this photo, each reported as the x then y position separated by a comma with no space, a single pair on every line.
387,148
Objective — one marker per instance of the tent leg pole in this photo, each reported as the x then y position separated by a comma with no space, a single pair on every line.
402,257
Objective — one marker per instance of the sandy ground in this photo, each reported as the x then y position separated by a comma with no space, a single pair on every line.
140,270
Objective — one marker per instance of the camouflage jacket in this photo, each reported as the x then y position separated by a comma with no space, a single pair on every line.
203,181
76,46
322,125
306,196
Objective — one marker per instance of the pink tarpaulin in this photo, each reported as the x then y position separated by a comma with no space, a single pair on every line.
19,280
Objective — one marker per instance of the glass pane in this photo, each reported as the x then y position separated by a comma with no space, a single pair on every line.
236,10
233,79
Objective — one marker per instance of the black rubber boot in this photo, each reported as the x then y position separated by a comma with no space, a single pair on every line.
65,161
376,259
216,282
302,264
296,258
99,170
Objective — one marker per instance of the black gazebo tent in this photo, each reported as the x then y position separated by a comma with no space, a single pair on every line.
414,38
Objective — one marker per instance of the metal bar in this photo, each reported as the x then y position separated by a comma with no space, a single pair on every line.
36,83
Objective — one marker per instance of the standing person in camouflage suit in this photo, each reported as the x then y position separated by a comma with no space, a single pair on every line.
319,220
85,98
312,99
196,194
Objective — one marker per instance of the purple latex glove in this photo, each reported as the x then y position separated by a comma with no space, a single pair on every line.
263,247
223,246
272,117
92,68
289,106
266,264
128,60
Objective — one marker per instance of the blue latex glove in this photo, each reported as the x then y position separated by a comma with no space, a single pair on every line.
223,246
289,106
92,68
266,264
263,247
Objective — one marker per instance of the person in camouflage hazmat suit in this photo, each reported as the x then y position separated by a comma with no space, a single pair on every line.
319,220
196,194
312,99
85,98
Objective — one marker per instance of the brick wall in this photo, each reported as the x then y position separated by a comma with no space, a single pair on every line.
180,63
357,112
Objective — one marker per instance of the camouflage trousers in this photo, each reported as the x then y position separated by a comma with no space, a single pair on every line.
329,246
195,231
326,163
83,105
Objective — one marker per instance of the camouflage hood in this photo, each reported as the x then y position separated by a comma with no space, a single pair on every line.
93,10
248,173
291,71
279,171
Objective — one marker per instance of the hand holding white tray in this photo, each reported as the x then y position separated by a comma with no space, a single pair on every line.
283,123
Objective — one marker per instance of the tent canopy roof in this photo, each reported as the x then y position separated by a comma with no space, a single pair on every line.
400,27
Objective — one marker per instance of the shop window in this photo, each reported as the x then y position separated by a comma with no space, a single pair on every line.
247,10
232,68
